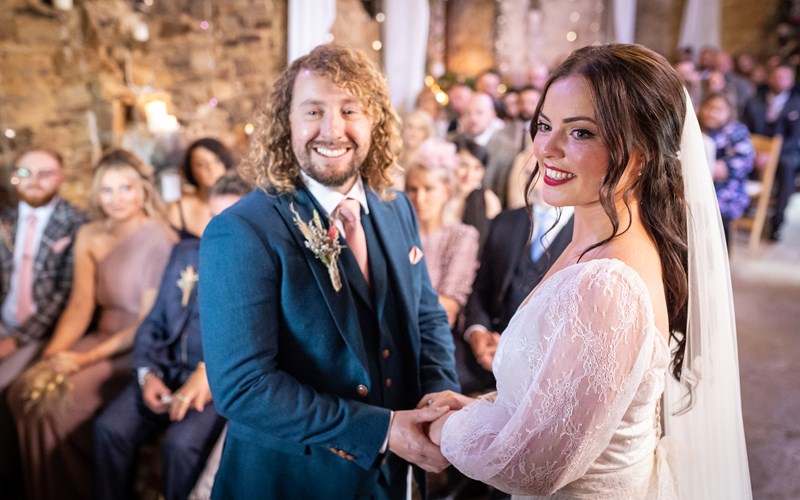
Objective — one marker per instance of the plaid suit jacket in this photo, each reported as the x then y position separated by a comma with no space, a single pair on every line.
52,270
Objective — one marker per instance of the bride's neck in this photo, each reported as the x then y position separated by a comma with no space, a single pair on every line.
592,224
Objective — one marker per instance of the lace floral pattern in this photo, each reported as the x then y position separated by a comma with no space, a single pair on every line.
579,371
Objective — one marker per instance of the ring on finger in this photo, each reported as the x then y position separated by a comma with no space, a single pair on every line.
181,398
430,402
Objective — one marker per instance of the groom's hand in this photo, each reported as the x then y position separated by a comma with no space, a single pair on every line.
408,440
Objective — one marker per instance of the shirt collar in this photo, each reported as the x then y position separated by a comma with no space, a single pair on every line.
330,198
41,213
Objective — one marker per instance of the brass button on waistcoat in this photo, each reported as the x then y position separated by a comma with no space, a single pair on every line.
362,390
388,382
386,353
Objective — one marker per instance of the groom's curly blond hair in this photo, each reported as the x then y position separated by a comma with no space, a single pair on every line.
272,163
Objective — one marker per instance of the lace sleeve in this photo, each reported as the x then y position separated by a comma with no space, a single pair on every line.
580,373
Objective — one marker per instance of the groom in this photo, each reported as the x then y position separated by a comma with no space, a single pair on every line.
321,330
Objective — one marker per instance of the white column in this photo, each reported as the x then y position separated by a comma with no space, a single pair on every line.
700,24
624,17
310,23
405,49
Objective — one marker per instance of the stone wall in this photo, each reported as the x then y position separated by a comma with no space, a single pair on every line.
77,80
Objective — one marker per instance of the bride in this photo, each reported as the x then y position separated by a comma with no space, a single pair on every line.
635,303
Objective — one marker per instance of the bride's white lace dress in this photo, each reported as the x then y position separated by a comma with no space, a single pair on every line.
580,371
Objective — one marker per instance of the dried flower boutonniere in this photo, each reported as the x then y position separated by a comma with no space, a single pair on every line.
324,244
187,282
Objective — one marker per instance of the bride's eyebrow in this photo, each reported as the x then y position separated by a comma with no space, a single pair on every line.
571,119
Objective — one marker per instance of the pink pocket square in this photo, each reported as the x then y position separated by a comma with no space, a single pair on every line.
415,255
61,244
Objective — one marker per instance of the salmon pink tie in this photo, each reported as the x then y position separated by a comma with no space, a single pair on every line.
350,215
25,286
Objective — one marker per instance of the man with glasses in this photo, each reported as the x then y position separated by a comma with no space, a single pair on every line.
36,239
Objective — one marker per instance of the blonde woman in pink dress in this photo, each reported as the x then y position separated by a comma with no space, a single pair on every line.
119,260
639,300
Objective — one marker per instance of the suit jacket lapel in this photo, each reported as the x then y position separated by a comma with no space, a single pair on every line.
340,304
8,233
52,233
398,266
517,245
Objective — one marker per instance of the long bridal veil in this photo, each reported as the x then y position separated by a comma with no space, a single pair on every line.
708,437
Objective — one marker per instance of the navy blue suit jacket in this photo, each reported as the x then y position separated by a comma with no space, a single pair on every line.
284,352
168,340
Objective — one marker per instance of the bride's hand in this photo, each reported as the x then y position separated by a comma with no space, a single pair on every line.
435,429
452,400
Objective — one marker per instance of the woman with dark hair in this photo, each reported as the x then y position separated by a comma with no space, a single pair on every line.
473,203
206,161
119,260
584,362
734,156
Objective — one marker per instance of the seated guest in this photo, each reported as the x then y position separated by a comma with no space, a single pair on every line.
473,203
417,126
450,248
36,240
119,260
734,156
172,393
512,263
206,161
481,124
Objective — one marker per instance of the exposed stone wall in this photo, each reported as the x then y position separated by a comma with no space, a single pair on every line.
76,80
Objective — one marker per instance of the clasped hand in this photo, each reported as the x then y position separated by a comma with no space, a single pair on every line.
415,435
195,393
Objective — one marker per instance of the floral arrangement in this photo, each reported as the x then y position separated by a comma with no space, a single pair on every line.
323,243
47,387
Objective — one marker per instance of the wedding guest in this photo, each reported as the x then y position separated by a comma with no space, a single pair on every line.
488,82
459,95
583,363
417,126
119,260
206,160
733,157
482,125
513,262
36,242
775,110
172,392
450,247
472,203
321,329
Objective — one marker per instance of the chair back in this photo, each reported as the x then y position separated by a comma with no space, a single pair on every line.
760,190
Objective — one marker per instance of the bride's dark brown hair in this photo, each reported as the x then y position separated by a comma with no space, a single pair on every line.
640,107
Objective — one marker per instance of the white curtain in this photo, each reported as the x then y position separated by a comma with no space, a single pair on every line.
624,21
310,22
404,50
700,24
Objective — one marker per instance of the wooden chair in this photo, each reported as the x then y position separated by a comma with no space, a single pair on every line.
760,191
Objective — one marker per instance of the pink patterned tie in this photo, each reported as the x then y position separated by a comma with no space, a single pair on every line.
350,215
25,285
